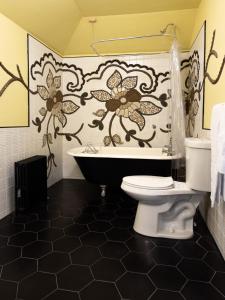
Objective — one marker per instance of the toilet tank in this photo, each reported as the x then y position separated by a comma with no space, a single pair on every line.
198,164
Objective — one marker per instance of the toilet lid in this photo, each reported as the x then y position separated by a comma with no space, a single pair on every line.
149,182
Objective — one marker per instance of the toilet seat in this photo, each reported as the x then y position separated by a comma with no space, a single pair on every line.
149,182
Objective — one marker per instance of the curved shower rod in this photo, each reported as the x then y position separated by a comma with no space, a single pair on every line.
162,33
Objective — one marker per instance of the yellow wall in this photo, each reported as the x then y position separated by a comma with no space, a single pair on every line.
129,25
13,51
213,12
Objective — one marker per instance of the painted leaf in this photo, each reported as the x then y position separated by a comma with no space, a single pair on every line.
107,141
99,113
43,92
50,138
114,80
149,108
137,118
130,82
49,79
62,119
69,107
44,140
43,111
101,95
117,139
57,82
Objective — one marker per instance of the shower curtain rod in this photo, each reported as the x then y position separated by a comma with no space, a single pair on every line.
162,33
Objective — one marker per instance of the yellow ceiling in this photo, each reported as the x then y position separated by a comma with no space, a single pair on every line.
63,24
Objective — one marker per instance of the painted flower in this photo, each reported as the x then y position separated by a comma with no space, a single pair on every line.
125,100
54,99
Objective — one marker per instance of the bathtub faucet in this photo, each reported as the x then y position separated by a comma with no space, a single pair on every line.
90,149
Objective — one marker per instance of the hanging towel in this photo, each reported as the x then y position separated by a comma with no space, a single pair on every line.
218,154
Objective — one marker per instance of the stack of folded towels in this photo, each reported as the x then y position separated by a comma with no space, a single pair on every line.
218,154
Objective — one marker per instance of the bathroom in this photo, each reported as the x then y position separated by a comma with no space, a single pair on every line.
62,69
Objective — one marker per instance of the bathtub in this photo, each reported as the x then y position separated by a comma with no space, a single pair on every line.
111,164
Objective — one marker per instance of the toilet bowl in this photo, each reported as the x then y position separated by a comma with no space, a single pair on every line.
166,207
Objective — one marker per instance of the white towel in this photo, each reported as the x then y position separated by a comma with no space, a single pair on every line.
218,154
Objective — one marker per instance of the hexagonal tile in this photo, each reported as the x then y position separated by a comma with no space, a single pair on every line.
219,282
190,249
107,269
105,216
195,270
61,222
3,241
9,253
208,243
126,213
76,230
195,290
93,239
74,278
36,286
24,218
138,262
36,226
165,256
167,295
99,226
118,234
50,234
48,215
8,290
53,262
36,249
215,261
66,244
10,229
22,238
84,219
135,286
163,242
101,291
122,222
19,268
113,249
63,295
167,278
85,255
140,243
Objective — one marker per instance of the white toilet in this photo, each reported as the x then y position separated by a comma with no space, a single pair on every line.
166,208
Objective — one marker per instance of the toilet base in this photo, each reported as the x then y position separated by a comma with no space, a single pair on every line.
171,219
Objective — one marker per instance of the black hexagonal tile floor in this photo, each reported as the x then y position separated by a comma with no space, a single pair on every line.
99,226
84,219
8,290
105,216
36,249
66,244
9,253
195,290
140,243
10,229
135,286
61,222
107,269
167,277
23,238
219,282
85,255
93,239
74,278
50,234
101,291
190,249
18,269
24,218
63,295
36,286
114,249
195,270
53,262
3,241
122,222
166,295
36,226
215,261
138,262
76,230
118,234
208,243
46,215
163,242
165,256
